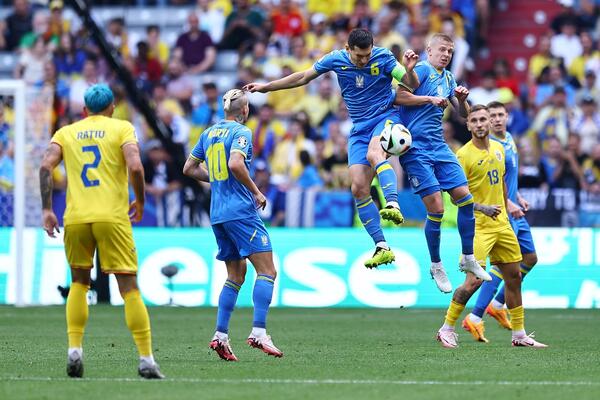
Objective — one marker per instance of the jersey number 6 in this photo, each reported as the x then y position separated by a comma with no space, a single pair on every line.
94,164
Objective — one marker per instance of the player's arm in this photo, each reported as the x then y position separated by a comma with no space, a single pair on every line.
459,101
131,152
52,157
405,98
296,79
194,169
407,78
522,202
237,166
490,211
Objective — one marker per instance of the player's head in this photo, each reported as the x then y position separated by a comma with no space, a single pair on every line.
498,117
440,48
360,46
99,99
235,105
478,121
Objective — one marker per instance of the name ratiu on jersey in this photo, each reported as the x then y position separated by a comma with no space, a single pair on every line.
90,135
218,132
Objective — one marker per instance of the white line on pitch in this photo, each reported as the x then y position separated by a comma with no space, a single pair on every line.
310,381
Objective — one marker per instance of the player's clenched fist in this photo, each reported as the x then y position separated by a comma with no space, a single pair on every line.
461,93
410,59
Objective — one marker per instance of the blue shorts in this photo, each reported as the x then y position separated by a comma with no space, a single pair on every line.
523,233
240,238
362,133
431,171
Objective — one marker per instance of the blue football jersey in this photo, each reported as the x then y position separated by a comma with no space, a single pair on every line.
230,200
367,91
425,122
511,177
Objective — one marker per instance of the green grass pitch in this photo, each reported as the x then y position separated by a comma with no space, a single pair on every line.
329,354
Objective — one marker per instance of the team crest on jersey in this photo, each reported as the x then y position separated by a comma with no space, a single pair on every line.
499,155
265,240
440,91
242,141
414,181
360,81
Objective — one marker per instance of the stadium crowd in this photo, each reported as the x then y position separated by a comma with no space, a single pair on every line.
300,135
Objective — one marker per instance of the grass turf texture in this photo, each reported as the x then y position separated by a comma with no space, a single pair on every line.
329,353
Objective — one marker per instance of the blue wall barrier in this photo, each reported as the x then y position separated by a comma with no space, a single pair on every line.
317,268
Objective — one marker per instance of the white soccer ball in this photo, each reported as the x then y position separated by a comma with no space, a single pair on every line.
395,139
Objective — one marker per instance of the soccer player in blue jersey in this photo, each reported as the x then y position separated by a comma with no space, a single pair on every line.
365,74
227,149
516,206
430,164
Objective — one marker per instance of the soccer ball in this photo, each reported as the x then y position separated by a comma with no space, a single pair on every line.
395,139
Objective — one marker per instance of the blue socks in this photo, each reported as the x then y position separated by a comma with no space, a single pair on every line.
487,292
524,271
466,223
369,216
433,224
388,181
227,300
261,296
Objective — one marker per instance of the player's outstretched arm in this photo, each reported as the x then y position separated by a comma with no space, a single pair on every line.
194,169
52,158
237,166
131,152
296,79
406,98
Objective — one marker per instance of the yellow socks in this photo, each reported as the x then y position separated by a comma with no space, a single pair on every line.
453,313
138,322
77,314
517,318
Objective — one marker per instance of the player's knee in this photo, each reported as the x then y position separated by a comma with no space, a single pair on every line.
374,157
237,278
530,259
360,191
472,284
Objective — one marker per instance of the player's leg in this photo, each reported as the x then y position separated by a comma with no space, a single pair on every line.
361,176
386,174
486,294
79,247
119,257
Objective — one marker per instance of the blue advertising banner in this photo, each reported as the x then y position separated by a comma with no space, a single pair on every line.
316,268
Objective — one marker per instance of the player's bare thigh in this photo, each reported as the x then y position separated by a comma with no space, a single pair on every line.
433,203
459,192
263,263
375,153
236,270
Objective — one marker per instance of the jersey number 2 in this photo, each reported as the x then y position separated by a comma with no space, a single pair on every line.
217,162
94,164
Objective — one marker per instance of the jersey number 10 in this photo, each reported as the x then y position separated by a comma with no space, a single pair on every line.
217,162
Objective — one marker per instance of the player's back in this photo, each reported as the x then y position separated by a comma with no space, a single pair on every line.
485,170
97,178
230,199
512,165
425,122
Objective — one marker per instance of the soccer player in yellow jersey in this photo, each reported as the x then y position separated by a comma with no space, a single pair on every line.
99,152
483,163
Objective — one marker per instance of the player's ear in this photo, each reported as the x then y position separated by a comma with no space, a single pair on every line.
347,47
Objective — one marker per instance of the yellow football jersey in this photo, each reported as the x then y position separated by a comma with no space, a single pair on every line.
97,178
485,173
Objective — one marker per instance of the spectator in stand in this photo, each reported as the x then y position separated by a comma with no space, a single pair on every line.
461,50
243,27
158,48
285,101
319,40
343,120
416,42
540,60
450,137
16,25
359,18
518,121
266,132
274,212
116,36
285,163
335,167
567,44
321,106
487,91
574,146
553,119
147,70
440,12
309,177
388,37
287,21
568,14
212,19
56,89
195,48
68,59
399,16
180,127
577,67
531,172
79,85
210,110
30,66
560,165
179,84
589,88
591,170
556,77
58,26
504,78
41,27
299,59
587,123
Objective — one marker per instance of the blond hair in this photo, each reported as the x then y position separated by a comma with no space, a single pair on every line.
234,102
437,37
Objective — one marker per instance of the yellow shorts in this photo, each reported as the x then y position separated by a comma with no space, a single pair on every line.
502,247
116,248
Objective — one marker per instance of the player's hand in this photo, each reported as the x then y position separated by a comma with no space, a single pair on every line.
514,210
410,59
461,93
256,87
50,222
136,211
524,204
438,101
261,201
491,211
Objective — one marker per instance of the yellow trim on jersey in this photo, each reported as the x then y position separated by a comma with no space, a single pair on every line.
238,151
434,219
195,158
384,167
366,204
254,234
